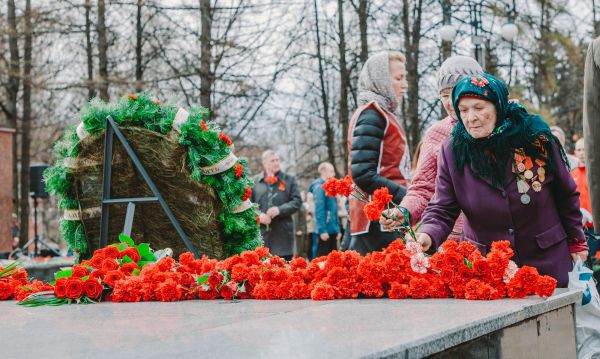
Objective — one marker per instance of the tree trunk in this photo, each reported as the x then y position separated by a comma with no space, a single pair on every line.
13,90
412,38
344,79
139,71
89,50
491,61
324,100
26,129
363,15
102,52
206,76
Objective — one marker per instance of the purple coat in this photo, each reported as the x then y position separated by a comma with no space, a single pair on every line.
538,232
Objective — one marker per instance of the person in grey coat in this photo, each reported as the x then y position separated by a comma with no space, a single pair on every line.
278,198
591,126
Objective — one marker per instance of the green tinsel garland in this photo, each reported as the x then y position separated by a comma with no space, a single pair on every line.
205,146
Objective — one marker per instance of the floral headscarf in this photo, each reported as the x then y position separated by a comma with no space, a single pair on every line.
515,129
374,83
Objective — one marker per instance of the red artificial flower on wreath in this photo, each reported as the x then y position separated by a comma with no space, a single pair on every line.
92,288
479,80
223,137
74,288
247,193
271,180
238,170
203,126
132,97
282,185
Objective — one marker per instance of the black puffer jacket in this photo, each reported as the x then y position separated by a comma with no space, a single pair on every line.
364,155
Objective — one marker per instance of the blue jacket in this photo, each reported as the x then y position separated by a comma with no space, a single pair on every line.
326,209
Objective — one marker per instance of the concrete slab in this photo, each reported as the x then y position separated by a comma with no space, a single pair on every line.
260,329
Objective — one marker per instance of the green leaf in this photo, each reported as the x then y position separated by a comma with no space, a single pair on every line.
9,269
203,279
144,251
143,263
126,259
136,272
65,273
121,247
126,239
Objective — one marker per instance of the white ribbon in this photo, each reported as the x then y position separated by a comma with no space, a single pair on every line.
221,166
75,214
247,204
180,118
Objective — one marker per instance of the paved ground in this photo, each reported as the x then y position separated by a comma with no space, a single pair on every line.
265,329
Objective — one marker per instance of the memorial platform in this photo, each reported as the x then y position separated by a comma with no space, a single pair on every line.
363,328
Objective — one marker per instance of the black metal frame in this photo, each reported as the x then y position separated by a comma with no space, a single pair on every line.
112,129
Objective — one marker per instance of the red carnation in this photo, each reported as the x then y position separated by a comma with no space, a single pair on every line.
382,197
545,286
419,287
372,211
92,288
186,258
80,271
330,187
74,288
238,170
345,186
247,193
223,137
398,291
203,126
322,291
6,291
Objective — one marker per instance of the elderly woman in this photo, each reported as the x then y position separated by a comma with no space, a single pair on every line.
505,170
422,186
377,145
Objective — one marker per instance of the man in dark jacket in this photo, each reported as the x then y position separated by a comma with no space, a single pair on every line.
327,224
278,198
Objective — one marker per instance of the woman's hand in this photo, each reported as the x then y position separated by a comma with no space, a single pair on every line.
392,218
583,255
424,240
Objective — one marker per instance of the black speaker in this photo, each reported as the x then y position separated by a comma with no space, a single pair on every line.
37,187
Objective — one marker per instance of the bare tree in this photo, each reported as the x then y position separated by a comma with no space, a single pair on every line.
344,80
89,50
102,52
12,87
26,127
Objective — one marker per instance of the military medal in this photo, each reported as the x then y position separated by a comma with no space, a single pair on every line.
526,177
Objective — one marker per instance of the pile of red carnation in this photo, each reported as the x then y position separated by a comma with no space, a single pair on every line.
14,283
120,273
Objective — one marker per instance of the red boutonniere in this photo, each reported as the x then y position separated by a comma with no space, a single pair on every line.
270,180
282,186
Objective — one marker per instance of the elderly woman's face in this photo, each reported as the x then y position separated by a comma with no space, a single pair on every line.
478,116
446,98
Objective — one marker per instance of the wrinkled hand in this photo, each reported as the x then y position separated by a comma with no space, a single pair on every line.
392,218
264,218
339,236
583,255
424,240
324,237
273,212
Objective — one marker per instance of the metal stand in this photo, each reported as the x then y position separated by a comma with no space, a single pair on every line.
111,130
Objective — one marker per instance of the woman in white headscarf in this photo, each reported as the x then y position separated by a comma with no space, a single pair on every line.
377,145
